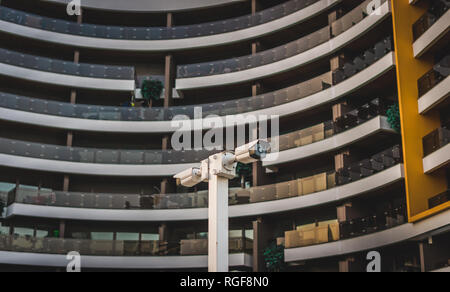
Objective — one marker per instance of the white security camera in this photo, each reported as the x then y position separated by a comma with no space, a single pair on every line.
190,177
252,152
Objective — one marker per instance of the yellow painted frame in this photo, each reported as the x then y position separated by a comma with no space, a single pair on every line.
419,186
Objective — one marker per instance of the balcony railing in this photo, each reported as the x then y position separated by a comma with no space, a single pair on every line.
279,53
385,218
27,244
436,10
153,33
328,129
64,67
102,156
435,140
432,78
313,234
439,199
328,231
232,107
295,188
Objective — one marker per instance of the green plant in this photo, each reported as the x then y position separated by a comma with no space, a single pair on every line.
151,90
393,115
274,258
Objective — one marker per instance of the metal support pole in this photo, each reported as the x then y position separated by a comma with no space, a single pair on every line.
218,224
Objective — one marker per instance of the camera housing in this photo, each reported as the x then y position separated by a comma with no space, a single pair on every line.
252,152
189,177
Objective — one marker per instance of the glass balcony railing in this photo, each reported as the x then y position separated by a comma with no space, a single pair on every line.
103,156
224,108
435,76
63,67
85,247
153,33
328,129
436,140
295,188
439,199
437,9
231,107
312,234
279,53
385,218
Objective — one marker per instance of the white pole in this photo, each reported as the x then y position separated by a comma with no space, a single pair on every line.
218,224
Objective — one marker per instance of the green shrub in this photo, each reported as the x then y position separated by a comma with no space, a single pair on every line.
393,115
274,258
151,90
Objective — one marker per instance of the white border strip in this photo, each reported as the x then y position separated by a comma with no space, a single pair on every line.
123,170
66,80
118,262
437,159
435,96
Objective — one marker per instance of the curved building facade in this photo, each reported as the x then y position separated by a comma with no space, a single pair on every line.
96,100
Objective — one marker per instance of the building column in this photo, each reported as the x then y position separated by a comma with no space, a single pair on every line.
73,100
169,78
419,186
62,229
261,237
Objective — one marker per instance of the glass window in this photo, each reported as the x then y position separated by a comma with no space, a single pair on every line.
6,187
127,236
23,231
149,237
235,233
4,230
41,233
249,234
102,236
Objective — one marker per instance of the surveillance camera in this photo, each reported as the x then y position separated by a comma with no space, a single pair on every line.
189,177
252,152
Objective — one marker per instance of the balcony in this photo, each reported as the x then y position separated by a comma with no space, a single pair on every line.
117,254
91,161
370,241
314,144
292,100
434,86
159,39
284,58
58,72
439,200
436,150
149,6
431,28
380,171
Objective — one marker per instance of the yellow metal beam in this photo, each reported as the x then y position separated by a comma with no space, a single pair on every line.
419,186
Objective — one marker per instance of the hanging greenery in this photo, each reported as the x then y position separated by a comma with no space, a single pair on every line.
151,90
393,114
274,258
244,170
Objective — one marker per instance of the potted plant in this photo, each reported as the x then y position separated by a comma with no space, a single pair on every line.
393,115
274,258
151,91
